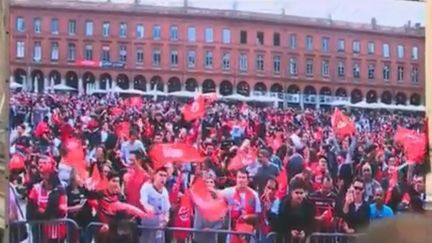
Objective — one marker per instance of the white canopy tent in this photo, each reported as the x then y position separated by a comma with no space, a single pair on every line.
15,85
184,93
63,87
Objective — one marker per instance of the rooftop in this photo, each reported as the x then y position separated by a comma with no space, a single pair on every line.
373,14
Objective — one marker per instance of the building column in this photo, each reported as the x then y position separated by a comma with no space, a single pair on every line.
97,84
35,82
301,101
428,97
165,88
80,86
148,87
46,85
318,99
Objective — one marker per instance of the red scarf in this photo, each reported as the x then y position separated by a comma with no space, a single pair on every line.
239,209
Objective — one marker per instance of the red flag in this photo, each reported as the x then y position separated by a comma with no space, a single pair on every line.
282,180
122,129
183,217
414,144
241,160
136,178
210,207
99,183
41,128
116,111
74,156
135,102
17,162
195,110
66,132
342,124
173,152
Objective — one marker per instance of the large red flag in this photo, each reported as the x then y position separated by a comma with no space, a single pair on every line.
135,102
174,152
241,160
17,162
122,129
183,217
342,125
414,144
195,110
211,208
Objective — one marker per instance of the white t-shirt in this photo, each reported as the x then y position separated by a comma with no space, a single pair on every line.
159,201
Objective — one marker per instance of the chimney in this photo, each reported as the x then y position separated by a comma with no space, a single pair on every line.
283,11
185,3
374,23
417,25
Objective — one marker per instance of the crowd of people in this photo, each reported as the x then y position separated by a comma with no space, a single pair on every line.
266,169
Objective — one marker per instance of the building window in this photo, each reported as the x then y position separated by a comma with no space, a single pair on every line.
341,69
325,42
243,62
276,39
309,43
400,51
72,27
156,32
174,33
54,51
208,59
356,71
37,25
293,67
20,24
20,49
243,37
105,54
276,64
400,73
356,47
341,45
54,26
122,54
71,52
139,31
191,59
325,68
191,34
260,38
309,67
414,74
174,58
371,71
123,30
106,29
226,36
89,28
386,72
139,55
208,35
156,60
226,61
414,53
371,48
259,62
88,52
386,50
293,41
37,51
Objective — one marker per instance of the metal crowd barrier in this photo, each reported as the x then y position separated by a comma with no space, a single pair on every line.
131,232
333,238
41,231
274,237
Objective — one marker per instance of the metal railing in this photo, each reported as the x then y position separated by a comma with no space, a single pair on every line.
41,231
68,231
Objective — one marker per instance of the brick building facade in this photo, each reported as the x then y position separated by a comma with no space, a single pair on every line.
96,46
